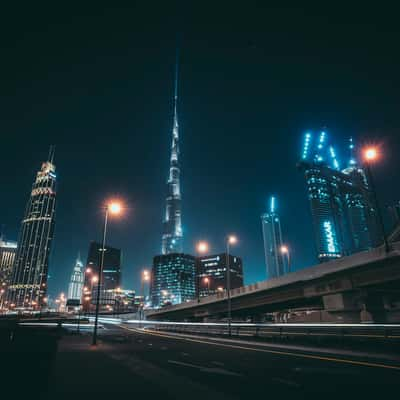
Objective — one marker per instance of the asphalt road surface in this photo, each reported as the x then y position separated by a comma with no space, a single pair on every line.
149,364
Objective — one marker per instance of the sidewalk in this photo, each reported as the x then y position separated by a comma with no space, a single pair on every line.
81,371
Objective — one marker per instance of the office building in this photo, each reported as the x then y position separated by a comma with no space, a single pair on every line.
29,278
173,279
394,214
275,260
111,277
212,273
344,215
75,286
8,250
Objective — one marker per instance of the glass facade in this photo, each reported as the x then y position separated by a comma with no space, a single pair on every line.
7,257
212,273
275,260
29,280
343,212
75,287
173,279
111,277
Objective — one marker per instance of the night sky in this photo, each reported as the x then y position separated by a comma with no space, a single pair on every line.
97,82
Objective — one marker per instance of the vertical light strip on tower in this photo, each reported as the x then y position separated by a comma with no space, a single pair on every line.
172,232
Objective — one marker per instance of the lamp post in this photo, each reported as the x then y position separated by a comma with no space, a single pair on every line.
370,155
202,247
144,278
230,240
112,208
286,252
206,280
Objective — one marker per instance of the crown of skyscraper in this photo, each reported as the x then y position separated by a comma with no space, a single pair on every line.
318,149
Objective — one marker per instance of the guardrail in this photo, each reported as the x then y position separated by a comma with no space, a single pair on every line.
376,331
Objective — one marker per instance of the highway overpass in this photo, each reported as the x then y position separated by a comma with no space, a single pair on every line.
364,287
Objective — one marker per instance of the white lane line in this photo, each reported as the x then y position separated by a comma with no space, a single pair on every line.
184,354
284,353
219,371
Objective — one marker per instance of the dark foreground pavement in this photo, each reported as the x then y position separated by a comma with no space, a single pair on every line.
154,365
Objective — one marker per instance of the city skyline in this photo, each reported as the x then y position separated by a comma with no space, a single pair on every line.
232,142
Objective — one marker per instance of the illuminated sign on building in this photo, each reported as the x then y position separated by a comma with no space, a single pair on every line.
330,237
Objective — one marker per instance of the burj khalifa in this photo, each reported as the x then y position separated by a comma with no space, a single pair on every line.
172,224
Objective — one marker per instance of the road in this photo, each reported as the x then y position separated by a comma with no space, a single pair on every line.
164,366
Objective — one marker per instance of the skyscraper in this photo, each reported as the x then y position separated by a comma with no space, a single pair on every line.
275,260
394,213
76,283
173,279
29,281
212,273
7,257
111,278
172,226
343,211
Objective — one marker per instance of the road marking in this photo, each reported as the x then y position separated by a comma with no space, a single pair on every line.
211,370
284,353
164,348
185,354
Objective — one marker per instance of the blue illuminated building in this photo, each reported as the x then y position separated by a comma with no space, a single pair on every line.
342,208
173,279
275,260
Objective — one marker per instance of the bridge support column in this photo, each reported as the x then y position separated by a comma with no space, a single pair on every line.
354,306
373,308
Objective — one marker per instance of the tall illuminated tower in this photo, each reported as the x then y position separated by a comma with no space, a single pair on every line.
343,211
172,226
29,280
275,260
75,286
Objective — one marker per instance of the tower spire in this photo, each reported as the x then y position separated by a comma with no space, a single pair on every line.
52,150
172,233
352,160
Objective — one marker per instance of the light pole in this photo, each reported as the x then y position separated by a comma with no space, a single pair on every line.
370,155
145,278
230,240
201,248
112,208
285,251
207,281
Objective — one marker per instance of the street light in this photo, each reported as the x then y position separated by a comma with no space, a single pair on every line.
371,155
145,277
230,240
206,280
113,208
285,251
202,247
